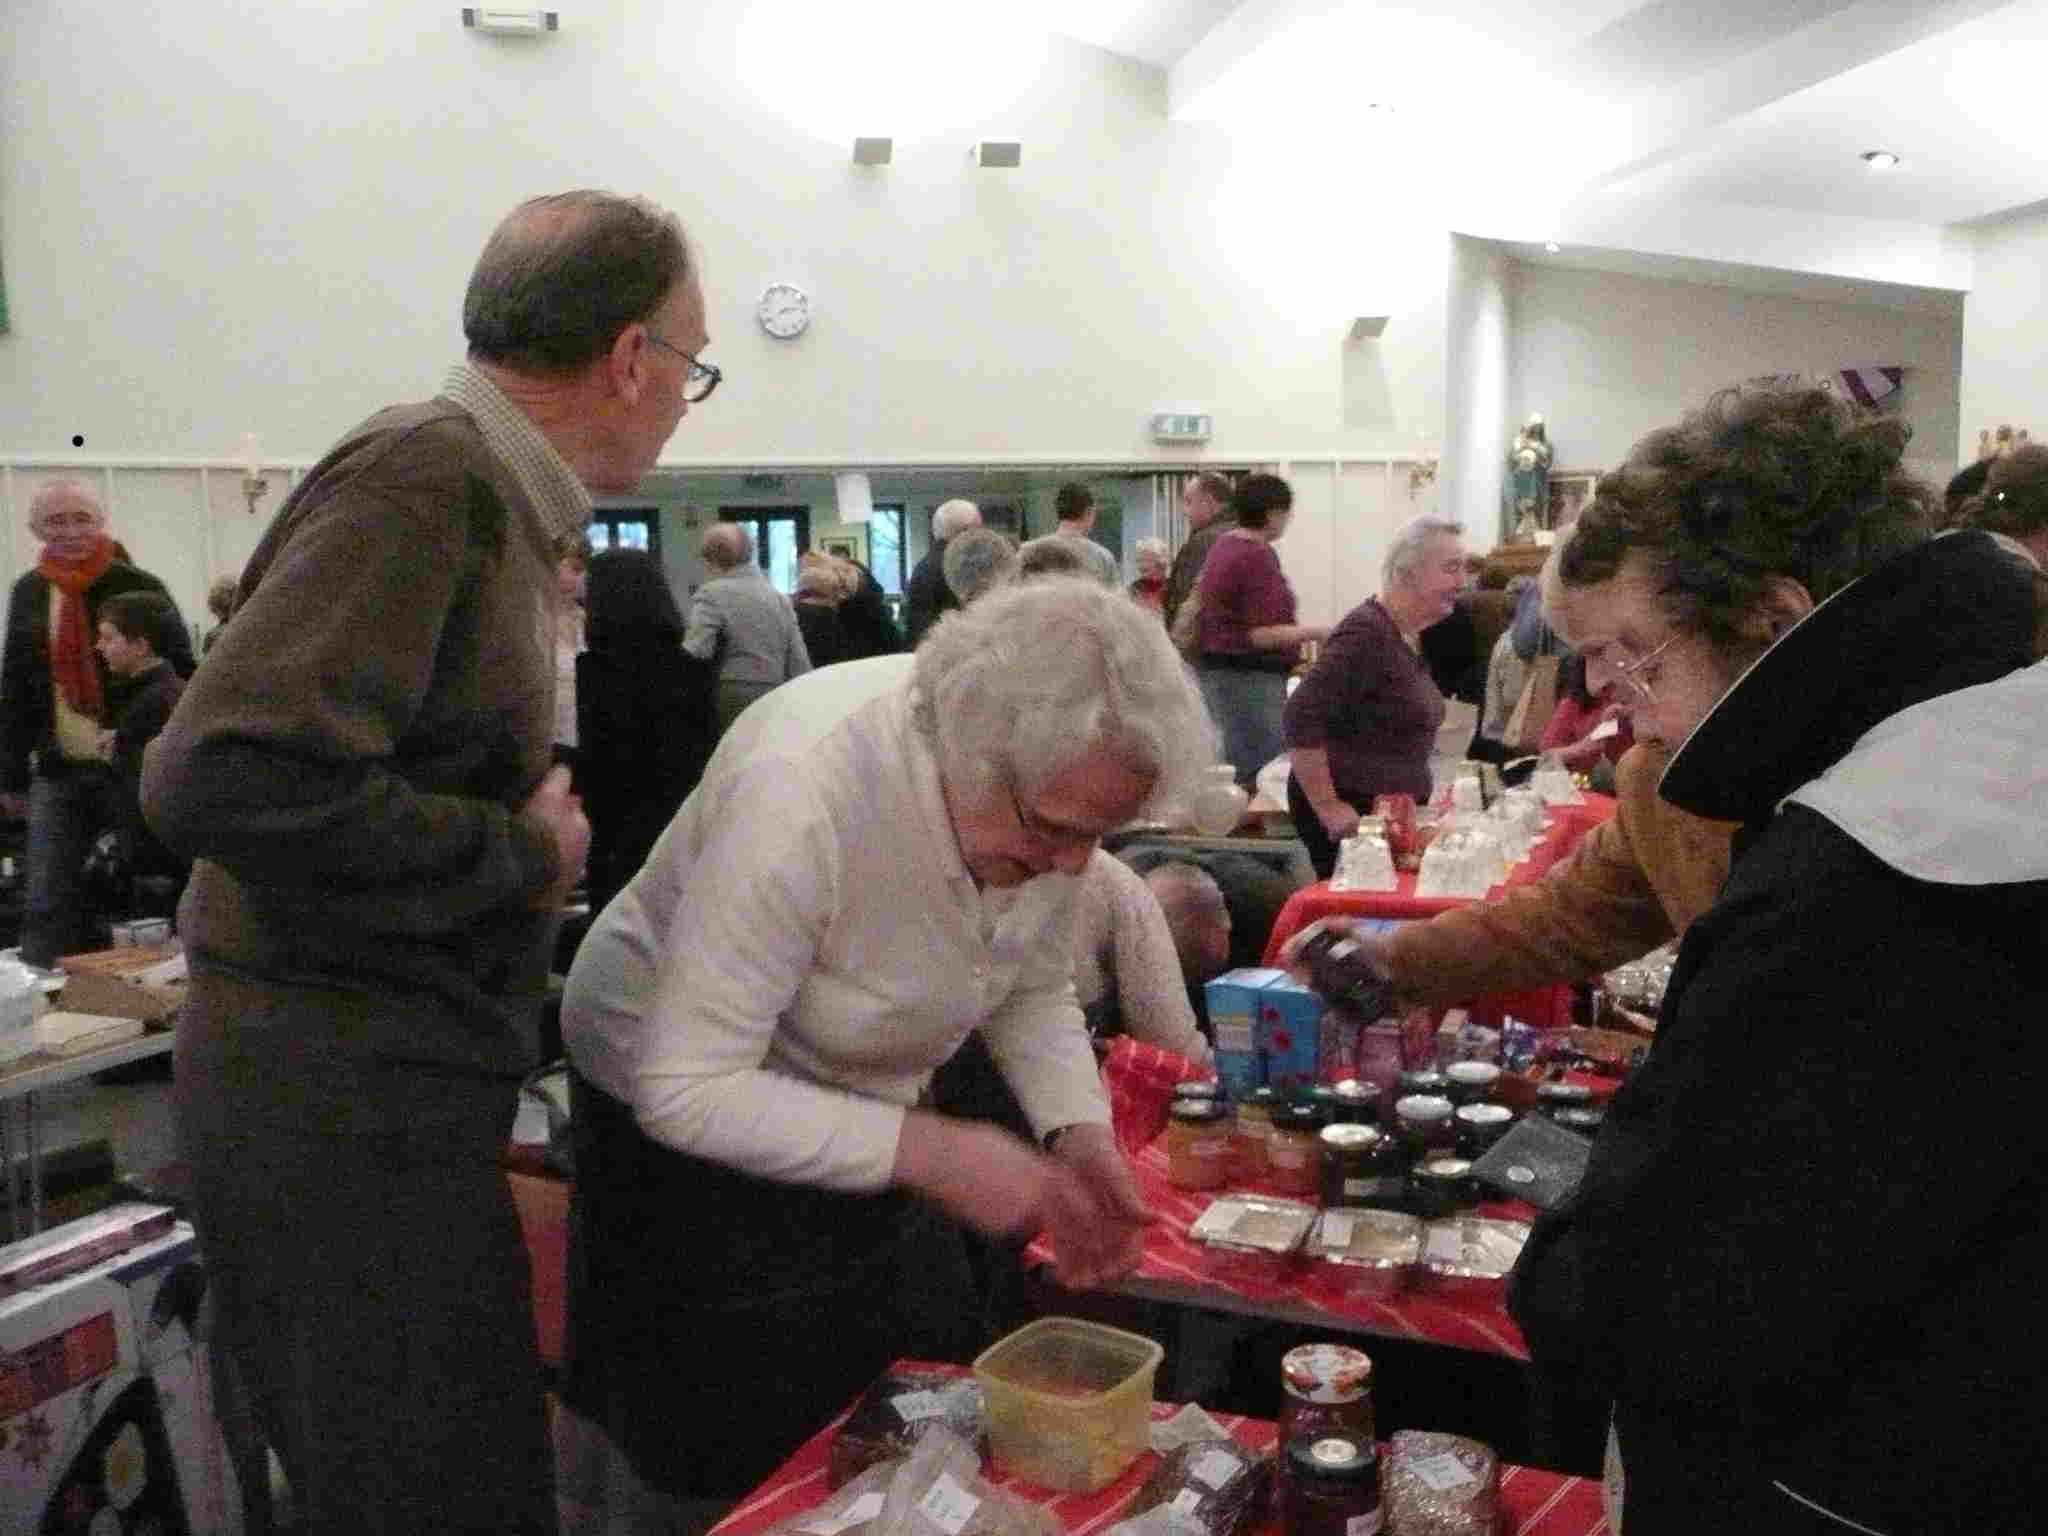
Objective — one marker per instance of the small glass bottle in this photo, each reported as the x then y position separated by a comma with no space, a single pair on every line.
1330,1487
1293,1151
1198,1144
1426,1127
1326,1389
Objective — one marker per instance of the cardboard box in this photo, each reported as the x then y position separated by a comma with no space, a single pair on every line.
110,981
1267,1027
1233,1000
1290,1032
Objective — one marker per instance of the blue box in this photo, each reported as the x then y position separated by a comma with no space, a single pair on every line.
1233,1002
1290,1032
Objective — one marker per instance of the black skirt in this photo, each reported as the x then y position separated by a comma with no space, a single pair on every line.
717,1320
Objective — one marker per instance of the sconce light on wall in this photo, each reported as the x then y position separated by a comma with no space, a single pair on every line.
518,23
873,151
999,154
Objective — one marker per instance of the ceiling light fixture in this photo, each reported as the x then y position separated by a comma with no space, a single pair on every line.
1880,159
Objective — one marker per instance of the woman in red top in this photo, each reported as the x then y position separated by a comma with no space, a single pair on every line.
1248,638
1364,719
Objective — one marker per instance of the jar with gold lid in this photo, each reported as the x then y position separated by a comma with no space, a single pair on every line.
1198,1144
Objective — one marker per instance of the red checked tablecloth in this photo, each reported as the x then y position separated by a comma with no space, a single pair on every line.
1172,1270
1533,1503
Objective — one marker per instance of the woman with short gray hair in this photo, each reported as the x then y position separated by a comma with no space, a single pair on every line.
877,863
1363,721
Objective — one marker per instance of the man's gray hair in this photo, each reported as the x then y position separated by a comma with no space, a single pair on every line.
1057,554
978,560
563,275
726,545
954,517
1410,540
1025,684
62,491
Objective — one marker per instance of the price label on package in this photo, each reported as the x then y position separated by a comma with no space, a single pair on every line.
948,1505
915,1406
1443,1472
1187,1501
859,1512
1214,1468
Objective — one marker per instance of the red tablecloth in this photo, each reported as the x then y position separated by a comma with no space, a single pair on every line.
1172,1270
1547,1009
1533,1503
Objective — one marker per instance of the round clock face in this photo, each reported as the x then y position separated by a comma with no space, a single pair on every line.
784,310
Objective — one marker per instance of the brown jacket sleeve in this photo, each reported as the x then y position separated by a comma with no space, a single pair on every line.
1633,882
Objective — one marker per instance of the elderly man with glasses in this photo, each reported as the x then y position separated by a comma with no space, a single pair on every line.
362,773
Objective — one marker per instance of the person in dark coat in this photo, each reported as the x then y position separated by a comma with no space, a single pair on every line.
864,616
1805,1257
644,715
926,595
136,631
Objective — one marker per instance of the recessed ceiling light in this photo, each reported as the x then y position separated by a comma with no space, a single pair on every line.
1552,246
1880,159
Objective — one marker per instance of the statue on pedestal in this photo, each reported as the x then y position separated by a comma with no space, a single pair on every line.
1529,480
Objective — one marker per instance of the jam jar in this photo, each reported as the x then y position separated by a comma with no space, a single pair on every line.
1363,1166
1254,1130
1425,1126
1330,1486
1324,1097
1551,1097
1326,1389
1470,1082
1442,1186
1479,1126
1586,1122
1208,1092
1354,1103
1294,1150
1198,1144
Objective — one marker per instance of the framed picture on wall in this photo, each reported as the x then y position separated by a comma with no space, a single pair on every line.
846,546
1570,490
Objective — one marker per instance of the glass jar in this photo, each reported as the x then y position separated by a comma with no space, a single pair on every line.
1326,1389
1479,1126
1551,1097
1294,1150
1471,1082
1442,1186
1363,1166
1324,1097
1254,1130
1586,1122
1206,1093
1426,1080
1219,802
1330,1486
1426,1127
1198,1144
1354,1103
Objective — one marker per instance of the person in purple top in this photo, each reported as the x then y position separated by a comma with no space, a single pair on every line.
1364,719
1248,639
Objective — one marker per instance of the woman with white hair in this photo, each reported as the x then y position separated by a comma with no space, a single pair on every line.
1362,722
878,861
1149,590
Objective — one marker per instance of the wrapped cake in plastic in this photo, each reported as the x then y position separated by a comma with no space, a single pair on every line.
897,1411
1441,1485
1214,1485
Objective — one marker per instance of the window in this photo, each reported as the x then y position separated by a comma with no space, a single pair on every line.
885,547
626,528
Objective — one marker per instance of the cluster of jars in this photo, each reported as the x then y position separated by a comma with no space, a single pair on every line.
1348,1143
1328,1476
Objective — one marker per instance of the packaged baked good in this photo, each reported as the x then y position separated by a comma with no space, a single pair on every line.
1470,1256
1217,1485
1365,1254
1441,1485
897,1411
1251,1239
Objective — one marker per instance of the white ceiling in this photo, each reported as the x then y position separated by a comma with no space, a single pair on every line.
1762,103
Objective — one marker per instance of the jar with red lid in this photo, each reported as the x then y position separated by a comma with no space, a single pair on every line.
1326,1389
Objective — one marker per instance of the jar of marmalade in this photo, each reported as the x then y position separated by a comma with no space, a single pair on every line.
1326,1389
1293,1151
1354,1103
1480,1126
1471,1082
1330,1486
1198,1144
1426,1127
1552,1097
1254,1130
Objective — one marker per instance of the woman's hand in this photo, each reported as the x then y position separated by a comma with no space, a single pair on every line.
1339,819
1102,1238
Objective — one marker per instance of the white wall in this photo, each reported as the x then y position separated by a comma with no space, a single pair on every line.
223,219
1606,358
2004,382
1477,350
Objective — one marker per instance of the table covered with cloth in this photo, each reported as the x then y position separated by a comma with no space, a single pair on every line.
1533,1502
1549,1008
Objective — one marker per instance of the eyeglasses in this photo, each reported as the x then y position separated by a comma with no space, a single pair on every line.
702,377
1632,673
1043,832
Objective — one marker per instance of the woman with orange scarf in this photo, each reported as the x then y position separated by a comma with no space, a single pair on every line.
54,687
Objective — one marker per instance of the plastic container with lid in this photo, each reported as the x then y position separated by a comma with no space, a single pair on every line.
1479,1126
1364,1255
1198,1144
1425,1126
1251,1241
1330,1486
1069,1402
1469,1257
1326,1389
1294,1150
